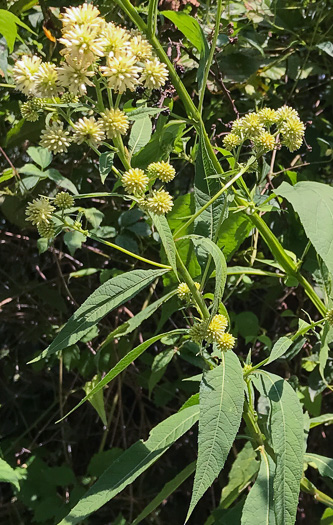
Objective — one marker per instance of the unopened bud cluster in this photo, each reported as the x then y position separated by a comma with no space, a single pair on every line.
267,129
137,182
213,331
97,54
40,212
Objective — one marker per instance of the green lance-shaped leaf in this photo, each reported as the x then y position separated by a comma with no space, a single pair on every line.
168,489
140,134
323,464
121,366
280,348
165,234
110,295
209,222
286,431
313,202
132,463
221,405
259,506
220,266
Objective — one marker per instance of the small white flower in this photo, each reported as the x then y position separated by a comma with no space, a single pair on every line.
155,74
121,72
88,130
74,77
82,44
55,138
85,14
114,122
140,48
115,39
46,80
24,71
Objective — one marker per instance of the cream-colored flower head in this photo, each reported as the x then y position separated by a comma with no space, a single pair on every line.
251,125
216,327
115,122
231,141
88,130
74,77
85,14
46,80
161,170
82,44
140,48
39,210
121,72
115,39
237,126
285,112
135,181
183,291
24,72
160,202
64,200
265,141
55,138
267,116
155,74
292,131
226,342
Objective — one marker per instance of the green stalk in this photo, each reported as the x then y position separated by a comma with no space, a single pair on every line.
152,17
200,303
211,54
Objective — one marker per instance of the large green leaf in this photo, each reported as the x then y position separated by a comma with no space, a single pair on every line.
221,405
132,463
140,134
313,202
234,230
8,474
168,489
286,428
163,228
220,266
209,221
323,464
8,27
110,295
259,507
190,28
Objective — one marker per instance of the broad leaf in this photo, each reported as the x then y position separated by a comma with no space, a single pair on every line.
220,266
313,202
132,463
168,489
41,156
140,134
259,507
8,474
8,27
323,464
286,430
120,367
190,28
221,405
165,234
110,295
280,347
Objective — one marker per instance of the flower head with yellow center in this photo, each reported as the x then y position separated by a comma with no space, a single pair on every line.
88,130
265,141
155,74
251,125
115,122
135,181
226,342
121,72
183,291
267,116
46,80
216,327
73,76
39,211
292,131
24,72
160,202
85,14
55,138
161,170
82,44
231,141
115,39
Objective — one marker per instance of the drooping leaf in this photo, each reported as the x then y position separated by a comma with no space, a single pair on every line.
110,295
313,201
97,399
320,420
60,180
221,405
105,164
132,463
220,266
259,507
286,430
120,367
165,234
323,464
140,134
167,490
280,347
73,241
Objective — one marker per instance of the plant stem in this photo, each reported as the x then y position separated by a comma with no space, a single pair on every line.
211,55
152,17
200,303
